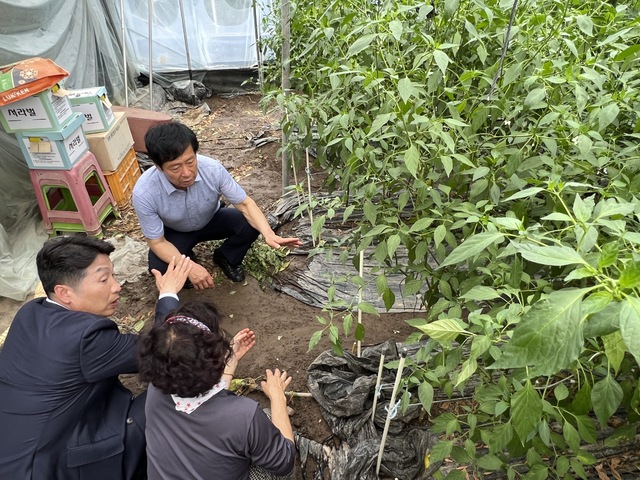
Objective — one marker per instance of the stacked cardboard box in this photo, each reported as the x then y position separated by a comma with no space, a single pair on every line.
49,133
69,185
111,146
94,104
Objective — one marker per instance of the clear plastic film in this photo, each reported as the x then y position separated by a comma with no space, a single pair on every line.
21,230
217,34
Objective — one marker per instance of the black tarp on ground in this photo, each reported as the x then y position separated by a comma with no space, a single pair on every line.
344,386
310,282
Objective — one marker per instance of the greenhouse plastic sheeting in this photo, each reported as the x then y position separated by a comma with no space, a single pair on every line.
21,230
219,34
69,33
83,37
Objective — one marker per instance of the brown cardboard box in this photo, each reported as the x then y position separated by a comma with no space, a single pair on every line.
111,147
140,121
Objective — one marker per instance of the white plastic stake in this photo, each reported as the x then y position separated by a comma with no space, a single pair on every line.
403,356
375,393
313,240
295,181
124,54
150,55
361,273
186,48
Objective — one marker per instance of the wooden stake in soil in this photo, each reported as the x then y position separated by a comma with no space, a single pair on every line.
403,356
295,181
361,273
378,381
313,240
285,25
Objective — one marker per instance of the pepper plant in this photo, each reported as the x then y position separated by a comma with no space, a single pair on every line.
497,141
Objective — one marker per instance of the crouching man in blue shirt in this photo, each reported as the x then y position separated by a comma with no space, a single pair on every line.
178,206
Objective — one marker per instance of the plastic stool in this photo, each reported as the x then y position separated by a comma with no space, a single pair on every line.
73,200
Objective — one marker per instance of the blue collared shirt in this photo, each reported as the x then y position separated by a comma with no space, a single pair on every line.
158,203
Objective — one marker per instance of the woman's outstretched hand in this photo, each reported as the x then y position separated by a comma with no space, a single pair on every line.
244,341
274,387
275,384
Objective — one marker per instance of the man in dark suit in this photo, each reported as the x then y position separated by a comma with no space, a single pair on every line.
63,411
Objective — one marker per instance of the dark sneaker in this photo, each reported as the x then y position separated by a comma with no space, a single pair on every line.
234,273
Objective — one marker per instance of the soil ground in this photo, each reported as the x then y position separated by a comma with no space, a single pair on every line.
282,324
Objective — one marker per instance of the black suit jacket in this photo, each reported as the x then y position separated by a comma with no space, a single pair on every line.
63,411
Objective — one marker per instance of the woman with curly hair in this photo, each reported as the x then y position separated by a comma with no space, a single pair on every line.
196,428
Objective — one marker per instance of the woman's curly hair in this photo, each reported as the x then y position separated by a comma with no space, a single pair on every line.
182,359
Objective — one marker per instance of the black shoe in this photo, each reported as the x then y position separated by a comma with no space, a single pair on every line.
234,273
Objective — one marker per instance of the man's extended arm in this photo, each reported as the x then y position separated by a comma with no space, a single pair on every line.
170,284
105,352
164,250
257,220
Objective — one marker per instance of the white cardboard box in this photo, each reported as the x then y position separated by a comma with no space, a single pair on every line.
111,147
44,111
54,149
94,104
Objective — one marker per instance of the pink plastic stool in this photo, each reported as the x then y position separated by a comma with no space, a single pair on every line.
76,200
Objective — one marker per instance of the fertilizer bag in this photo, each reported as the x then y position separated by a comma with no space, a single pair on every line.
28,77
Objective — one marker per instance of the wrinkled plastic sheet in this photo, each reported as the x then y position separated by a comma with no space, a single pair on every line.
310,284
320,272
344,386
130,259
21,230
18,247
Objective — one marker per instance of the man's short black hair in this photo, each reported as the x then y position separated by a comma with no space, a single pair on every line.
167,141
64,260
182,359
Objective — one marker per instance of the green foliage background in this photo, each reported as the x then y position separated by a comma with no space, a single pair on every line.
508,169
